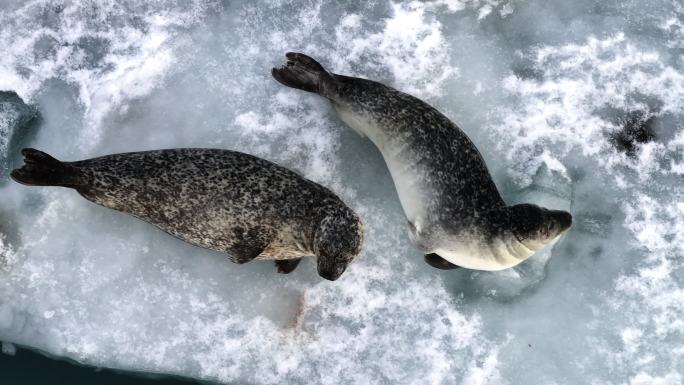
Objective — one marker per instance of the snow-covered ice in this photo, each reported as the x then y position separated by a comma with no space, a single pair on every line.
574,105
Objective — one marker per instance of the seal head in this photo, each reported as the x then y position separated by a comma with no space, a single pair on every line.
336,246
535,226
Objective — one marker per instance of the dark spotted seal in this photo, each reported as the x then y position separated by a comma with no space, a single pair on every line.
223,200
455,213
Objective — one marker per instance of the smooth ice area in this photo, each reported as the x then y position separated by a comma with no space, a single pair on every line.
574,104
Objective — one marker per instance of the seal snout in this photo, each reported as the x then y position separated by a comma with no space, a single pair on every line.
329,273
564,219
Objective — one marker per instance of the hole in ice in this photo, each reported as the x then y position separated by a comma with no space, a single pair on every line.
637,127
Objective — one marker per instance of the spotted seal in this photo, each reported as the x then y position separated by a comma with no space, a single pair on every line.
222,200
455,212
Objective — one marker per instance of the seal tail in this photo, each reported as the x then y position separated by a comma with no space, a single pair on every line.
40,169
304,73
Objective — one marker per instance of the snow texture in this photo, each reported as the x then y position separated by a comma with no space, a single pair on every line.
574,105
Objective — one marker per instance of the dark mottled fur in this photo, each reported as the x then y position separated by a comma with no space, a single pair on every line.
218,199
464,185
457,196
461,177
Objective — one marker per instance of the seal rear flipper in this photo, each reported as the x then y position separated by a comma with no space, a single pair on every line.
40,169
438,262
286,266
304,73
249,244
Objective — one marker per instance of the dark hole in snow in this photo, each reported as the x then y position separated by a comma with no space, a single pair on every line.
637,128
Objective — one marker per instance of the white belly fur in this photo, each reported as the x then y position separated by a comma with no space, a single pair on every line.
402,172
499,255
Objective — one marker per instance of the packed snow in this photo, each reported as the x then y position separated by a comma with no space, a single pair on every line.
574,105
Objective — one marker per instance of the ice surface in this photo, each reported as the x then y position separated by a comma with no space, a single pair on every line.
17,120
542,87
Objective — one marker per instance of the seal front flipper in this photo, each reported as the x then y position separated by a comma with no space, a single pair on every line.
247,245
438,262
286,266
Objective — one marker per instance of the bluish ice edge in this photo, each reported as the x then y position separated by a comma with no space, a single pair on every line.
542,88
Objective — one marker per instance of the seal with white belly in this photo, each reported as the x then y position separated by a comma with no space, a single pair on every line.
455,212
223,200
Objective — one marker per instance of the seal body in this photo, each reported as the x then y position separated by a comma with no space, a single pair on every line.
452,205
223,200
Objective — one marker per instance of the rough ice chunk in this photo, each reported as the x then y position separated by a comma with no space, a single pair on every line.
538,85
16,120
